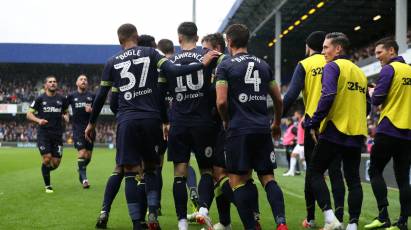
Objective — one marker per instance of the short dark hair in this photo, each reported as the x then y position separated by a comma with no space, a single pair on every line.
48,77
188,30
166,46
126,32
388,43
147,41
215,40
338,38
238,34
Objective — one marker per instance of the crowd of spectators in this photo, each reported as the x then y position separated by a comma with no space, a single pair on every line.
24,131
368,50
17,89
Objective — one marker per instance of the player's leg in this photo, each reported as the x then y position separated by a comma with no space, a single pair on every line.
323,154
223,196
159,169
293,160
309,144
263,161
112,186
179,152
45,148
351,158
239,166
150,146
192,187
129,137
337,187
81,163
381,154
204,147
402,162
45,171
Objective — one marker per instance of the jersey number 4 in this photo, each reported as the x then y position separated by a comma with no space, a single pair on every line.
125,66
254,79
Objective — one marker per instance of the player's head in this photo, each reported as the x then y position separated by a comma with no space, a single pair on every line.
147,41
50,83
187,32
314,42
214,42
335,43
385,49
237,36
127,33
166,46
298,115
82,82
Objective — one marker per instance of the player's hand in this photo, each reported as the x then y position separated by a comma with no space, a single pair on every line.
90,132
275,131
166,129
314,135
225,125
66,118
43,122
88,108
210,55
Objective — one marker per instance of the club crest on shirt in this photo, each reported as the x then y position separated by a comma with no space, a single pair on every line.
208,151
272,157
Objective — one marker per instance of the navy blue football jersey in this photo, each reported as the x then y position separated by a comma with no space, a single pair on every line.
134,72
78,102
191,96
248,79
51,109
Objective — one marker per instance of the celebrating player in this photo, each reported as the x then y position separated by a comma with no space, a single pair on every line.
243,82
134,71
81,101
47,111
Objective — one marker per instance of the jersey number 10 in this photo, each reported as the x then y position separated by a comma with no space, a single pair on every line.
255,79
125,66
180,84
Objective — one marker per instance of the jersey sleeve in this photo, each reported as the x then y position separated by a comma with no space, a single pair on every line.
107,78
35,105
65,104
221,74
157,58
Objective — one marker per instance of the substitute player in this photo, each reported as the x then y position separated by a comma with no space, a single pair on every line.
307,78
134,72
47,110
81,104
393,139
243,82
341,116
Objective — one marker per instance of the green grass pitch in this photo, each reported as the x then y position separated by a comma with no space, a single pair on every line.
25,205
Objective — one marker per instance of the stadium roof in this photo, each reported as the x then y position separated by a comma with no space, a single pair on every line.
56,53
332,15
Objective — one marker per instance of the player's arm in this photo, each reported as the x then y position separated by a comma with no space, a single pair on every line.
171,70
114,100
275,94
383,85
296,85
328,92
66,115
221,86
34,107
105,86
163,88
222,101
